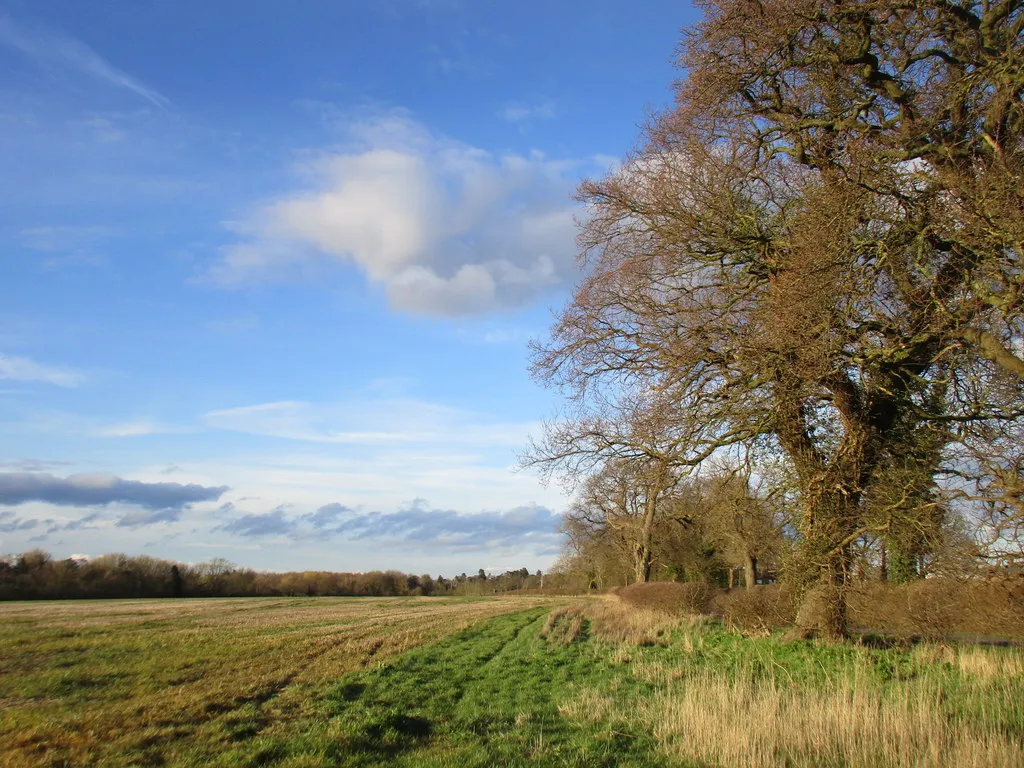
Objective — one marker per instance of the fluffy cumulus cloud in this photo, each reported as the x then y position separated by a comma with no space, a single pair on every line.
444,228
328,514
414,524
98,489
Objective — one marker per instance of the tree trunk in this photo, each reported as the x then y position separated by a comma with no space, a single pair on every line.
643,557
822,612
732,577
643,562
750,571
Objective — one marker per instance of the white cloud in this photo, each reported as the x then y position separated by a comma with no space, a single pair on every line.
524,112
139,429
49,51
444,228
371,476
388,421
24,369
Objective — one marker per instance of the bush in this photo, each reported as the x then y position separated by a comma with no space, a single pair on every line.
668,596
938,608
758,610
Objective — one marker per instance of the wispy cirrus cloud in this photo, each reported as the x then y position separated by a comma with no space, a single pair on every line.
32,465
13,368
48,239
140,429
367,421
523,112
51,51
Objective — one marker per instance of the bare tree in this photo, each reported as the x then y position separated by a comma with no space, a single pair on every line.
815,253
622,503
745,521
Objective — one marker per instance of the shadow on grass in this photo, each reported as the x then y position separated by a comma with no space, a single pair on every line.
487,696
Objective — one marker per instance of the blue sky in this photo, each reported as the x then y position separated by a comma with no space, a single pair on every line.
269,269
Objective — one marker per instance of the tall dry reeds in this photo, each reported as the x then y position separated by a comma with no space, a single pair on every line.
758,723
708,717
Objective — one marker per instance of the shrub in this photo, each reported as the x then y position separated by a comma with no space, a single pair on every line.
668,596
938,608
758,610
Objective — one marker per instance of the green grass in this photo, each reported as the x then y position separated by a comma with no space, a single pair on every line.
181,682
489,695
500,694
435,683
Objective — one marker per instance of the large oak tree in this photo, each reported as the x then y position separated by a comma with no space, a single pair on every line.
817,252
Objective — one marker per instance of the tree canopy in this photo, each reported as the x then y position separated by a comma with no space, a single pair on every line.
815,254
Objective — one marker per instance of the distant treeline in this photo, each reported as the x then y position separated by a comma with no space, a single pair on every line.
35,575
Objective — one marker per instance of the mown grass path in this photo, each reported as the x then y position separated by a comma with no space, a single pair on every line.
488,695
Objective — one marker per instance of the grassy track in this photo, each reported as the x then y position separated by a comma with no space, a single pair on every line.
489,695
435,682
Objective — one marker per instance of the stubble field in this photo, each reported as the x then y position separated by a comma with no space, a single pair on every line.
479,682
184,682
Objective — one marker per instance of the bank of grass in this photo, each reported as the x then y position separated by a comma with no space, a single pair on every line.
723,699
588,683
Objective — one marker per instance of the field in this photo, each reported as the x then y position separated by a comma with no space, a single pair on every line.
478,682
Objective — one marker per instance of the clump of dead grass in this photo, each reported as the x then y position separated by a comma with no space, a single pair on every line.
565,625
591,705
987,664
613,622
609,620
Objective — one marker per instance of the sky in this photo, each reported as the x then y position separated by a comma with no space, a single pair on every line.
268,270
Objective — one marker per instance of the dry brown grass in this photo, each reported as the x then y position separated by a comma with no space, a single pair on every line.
986,664
760,715
612,621
83,682
707,719
712,720
980,663
563,625
609,619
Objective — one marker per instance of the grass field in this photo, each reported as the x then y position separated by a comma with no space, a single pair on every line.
438,681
